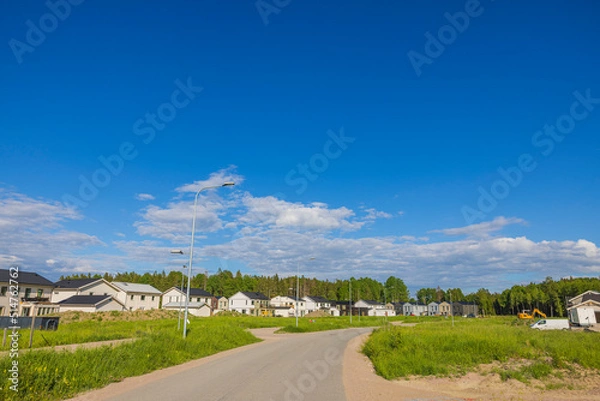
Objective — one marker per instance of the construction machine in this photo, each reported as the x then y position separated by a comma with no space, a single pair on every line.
526,315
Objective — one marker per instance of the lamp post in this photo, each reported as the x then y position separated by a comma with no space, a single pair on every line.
298,290
179,252
185,315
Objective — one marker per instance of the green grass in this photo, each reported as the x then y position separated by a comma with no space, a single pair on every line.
437,348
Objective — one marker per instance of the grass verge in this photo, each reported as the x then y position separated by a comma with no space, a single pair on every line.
439,349
50,375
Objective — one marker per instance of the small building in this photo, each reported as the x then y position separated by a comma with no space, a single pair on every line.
222,304
584,309
410,309
91,303
137,296
88,286
176,294
198,309
34,293
433,309
281,300
464,309
374,308
444,308
314,303
250,303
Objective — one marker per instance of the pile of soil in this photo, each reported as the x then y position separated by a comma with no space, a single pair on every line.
318,313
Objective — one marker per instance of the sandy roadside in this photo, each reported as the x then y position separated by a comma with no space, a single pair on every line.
363,384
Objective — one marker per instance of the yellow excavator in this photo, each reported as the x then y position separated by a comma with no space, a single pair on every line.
526,315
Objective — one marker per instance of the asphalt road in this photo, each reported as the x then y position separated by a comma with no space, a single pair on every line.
283,368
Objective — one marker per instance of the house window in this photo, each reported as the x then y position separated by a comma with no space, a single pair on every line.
197,299
27,293
40,293
153,297
131,298
3,291
142,297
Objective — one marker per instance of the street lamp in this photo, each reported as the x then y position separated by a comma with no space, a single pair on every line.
298,290
185,315
179,252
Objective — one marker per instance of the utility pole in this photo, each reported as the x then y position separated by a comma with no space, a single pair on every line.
350,296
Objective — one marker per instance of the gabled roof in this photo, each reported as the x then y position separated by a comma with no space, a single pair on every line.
591,296
74,284
26,278
136,287
194,292
370,302
90,300
318,299
584,295
192,305
256,295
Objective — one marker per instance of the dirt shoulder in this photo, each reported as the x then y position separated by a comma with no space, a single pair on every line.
363,384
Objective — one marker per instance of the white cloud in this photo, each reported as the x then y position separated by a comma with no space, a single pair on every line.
215,179
34,235
373,214
483,229
144,197
272,212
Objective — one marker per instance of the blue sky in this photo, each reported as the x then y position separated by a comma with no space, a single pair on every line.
398,196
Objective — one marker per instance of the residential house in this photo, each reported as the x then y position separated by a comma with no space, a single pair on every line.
398,308
374,308
444,308
584,309
198,295
250,303
89,286
433,309
410,309
195,308
91,303
222,304
281,300
284,306
34,293
464,309
137,296
314,303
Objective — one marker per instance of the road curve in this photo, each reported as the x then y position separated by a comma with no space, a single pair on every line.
288,367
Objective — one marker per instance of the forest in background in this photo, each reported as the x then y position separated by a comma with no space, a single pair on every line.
550,296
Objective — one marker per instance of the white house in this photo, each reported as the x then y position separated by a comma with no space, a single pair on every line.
199,309
414,310
375,308
249,303
91,303
584,309
175,294
34,292
137,296
89,286
314,303
281,300
433,309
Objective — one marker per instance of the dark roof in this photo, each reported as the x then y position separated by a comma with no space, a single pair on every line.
591,296
318,299
25,278
84,299
196,292
75,283
256,295
370,302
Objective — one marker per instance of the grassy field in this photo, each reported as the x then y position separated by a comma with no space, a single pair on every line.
51,375
437,348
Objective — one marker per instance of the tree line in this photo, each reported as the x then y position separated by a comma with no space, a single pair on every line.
549,296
